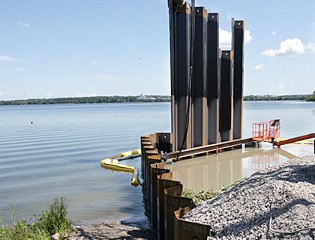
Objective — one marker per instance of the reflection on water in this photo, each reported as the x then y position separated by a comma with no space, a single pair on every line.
217,170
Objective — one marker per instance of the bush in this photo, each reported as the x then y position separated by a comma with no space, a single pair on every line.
55,220
18,231
51,221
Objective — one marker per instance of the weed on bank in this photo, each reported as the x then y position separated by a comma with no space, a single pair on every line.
51,221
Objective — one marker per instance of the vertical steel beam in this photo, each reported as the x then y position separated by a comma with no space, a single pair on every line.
219,93
238,49
180,20
213,77
199,77
226,98
172,65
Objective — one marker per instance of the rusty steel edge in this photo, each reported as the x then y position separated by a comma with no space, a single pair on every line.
165,204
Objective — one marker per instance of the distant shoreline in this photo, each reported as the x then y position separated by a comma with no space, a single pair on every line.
84,100
142,99
300,97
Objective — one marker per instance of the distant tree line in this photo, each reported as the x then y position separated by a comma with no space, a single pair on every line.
311,97
144,98
277,98
96,99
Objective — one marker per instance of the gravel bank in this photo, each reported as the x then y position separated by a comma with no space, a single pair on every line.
278,203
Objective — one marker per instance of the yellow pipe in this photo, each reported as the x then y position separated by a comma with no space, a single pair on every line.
113,164
129,154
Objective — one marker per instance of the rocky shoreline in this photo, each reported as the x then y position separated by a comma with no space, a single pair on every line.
116,230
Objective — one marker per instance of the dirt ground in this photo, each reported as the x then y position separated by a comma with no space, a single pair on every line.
112,231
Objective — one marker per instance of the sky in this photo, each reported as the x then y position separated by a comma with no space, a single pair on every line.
74,48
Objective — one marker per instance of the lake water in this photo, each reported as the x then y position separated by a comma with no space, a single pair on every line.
55,150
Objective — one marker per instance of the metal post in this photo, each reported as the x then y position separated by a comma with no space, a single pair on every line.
237,49
172,63
226,98
199,78
180,70
213,77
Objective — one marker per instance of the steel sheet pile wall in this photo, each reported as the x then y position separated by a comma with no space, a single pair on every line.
163,196
206,88
164,202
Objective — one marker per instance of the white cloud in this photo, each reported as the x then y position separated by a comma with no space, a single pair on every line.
93,63
8,59
273,33
259,67
311,47
20,69
105,77
291,46
225,38
247,37
24,25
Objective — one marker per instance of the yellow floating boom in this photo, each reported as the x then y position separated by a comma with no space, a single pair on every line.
129,154
113,164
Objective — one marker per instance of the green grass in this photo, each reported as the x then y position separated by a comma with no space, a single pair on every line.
200,196
51,221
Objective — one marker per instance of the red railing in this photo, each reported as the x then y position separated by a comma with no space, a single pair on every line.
266,131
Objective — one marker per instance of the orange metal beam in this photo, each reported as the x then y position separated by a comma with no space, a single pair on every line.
295,139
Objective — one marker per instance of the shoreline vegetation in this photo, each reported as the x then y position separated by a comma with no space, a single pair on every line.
144,98
53,221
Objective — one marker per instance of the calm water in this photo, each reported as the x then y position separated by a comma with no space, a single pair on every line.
59,154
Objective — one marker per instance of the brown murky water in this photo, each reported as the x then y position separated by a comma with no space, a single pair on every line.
214,171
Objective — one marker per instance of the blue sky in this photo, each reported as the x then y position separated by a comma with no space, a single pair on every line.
102,47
